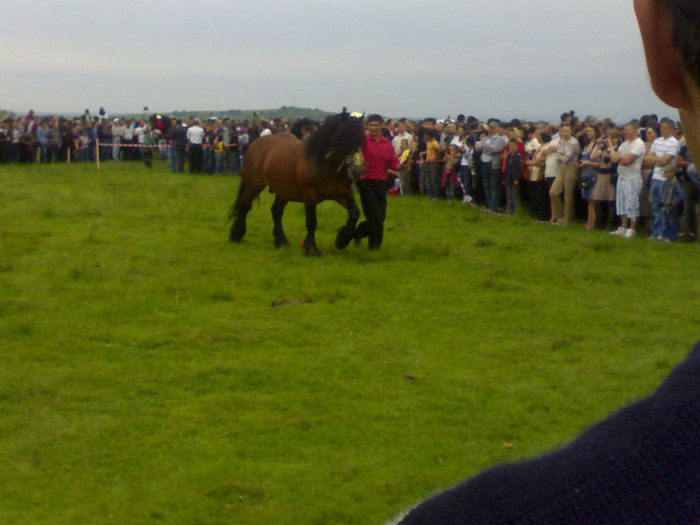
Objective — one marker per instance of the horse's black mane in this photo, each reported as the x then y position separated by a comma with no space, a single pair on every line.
339,136
161,122
300,124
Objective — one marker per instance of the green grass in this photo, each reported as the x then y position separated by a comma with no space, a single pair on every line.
155,373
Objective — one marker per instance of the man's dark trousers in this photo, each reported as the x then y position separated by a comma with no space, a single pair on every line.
196,158
373,198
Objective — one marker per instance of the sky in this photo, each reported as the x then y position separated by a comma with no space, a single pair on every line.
414,58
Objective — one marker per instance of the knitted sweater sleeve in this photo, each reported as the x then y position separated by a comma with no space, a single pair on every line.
639,466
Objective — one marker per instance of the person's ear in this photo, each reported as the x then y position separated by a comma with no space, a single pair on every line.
663,61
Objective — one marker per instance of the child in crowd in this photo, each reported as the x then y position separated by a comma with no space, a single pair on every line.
672,198
405,157
512,176
449,171
219,154
415,165
466,170
430,158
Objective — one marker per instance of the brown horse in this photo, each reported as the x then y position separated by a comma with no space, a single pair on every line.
309,171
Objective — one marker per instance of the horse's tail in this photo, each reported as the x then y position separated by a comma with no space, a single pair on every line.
236,208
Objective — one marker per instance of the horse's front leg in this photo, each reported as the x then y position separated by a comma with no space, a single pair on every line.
346,233
310,247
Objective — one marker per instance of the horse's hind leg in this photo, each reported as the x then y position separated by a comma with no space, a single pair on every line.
346,233
277,210
310,247
238,228
244,203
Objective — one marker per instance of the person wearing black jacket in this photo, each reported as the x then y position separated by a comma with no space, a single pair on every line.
177,135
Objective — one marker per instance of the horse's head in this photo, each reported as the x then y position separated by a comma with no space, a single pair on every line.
161,123
339,137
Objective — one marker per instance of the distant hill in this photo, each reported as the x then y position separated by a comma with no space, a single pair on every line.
286,112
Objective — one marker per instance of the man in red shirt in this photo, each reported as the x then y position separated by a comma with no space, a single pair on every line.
380,161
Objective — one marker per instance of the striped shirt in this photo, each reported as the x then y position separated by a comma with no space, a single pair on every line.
661,147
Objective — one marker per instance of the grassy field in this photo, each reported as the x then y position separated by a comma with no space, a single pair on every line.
155,373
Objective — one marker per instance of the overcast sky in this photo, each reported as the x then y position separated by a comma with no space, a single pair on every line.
416,58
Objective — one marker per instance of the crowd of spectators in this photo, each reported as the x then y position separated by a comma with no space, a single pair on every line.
32,139
634,179
630,180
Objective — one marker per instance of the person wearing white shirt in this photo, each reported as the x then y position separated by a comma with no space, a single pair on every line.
117,133
265,129
629,181
195,139
402,134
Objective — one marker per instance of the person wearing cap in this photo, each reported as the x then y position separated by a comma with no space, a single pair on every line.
117,133
380,161
641,465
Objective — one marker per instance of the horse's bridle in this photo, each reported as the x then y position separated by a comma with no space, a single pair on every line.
354,161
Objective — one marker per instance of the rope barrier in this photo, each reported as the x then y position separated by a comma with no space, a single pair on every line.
137,145
164,145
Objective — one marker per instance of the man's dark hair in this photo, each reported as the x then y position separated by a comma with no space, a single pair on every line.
686,34
667,120
375,118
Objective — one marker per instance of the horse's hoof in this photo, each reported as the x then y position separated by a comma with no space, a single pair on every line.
236,234
343,238
312,251
281,243
357,238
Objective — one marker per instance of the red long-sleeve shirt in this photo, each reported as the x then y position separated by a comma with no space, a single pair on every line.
379,157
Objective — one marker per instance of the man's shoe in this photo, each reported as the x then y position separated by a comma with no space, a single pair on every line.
619,232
